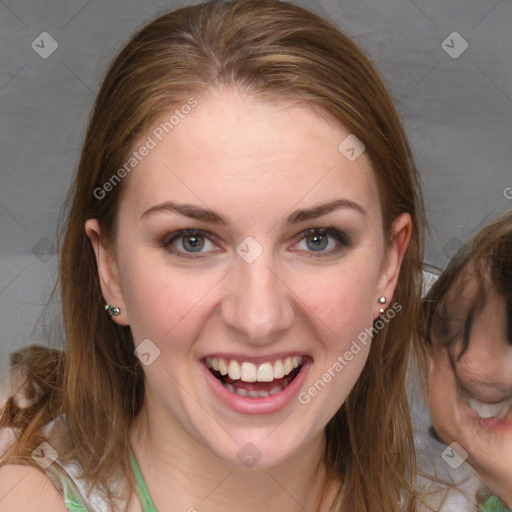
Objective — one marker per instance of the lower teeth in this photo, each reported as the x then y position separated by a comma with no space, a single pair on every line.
253,393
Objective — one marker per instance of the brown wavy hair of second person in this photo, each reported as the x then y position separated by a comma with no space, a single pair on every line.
487,256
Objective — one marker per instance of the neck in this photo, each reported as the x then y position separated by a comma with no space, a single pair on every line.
183,474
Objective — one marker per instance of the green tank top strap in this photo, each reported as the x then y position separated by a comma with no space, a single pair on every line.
145,498
67,487
494,504
75,502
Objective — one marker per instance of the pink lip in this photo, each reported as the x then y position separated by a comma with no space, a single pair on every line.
263,405
255,359
497,424
501,425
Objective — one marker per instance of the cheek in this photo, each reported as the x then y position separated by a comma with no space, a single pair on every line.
162,301
443,401
343,300
438,381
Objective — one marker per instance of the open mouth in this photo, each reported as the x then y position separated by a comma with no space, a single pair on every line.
485,410
251,380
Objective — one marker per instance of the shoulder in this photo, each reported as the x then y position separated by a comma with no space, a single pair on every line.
28,488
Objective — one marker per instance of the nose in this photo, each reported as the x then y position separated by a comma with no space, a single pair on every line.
485,369
258,304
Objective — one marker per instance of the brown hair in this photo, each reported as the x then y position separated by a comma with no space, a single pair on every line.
271,50
486,257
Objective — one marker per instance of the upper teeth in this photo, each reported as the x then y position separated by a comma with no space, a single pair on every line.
486,410
249,372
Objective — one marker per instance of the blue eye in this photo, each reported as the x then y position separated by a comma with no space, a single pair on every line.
318,239
189,243
192,241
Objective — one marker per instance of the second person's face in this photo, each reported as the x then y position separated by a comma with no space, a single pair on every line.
471,395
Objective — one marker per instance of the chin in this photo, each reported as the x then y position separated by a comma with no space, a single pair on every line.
256,452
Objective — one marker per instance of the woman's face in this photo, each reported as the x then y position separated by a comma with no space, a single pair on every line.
471,398
283,265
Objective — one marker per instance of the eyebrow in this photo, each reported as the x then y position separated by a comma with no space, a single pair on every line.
208,215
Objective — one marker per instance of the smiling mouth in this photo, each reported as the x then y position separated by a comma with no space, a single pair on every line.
485,410
251,380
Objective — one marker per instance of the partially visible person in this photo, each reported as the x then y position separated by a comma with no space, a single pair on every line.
467,330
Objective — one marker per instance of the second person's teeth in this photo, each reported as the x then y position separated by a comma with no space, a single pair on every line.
487,410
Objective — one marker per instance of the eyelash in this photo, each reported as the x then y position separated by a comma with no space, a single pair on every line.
463,333
341,237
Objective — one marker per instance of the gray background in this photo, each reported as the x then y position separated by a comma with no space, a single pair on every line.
457,112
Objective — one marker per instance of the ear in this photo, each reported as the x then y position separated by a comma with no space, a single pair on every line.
390,270
108,272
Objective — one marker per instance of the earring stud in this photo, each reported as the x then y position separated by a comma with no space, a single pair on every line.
382,300
112,310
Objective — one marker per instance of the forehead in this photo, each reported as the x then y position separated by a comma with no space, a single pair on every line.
474,291
236,148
